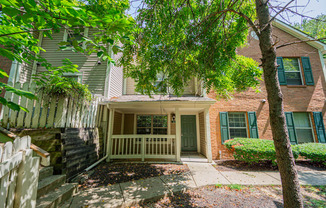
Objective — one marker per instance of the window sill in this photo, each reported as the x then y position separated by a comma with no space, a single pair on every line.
296,86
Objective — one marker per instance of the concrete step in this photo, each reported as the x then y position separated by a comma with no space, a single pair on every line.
49,184
45,172
58,197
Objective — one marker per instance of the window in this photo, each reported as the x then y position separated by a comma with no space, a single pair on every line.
303,127
158,83
152,124
237,125
74,76
73,35
292,71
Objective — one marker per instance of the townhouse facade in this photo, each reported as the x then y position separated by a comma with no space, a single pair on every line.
164,127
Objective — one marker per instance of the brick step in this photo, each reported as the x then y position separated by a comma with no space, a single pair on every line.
50,183
58,197
45,172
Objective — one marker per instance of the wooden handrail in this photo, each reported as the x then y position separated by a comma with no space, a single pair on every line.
35,148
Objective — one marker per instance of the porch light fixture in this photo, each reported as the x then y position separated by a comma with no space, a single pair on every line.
173,118
263,101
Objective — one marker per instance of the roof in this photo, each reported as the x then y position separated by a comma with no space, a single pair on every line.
299,34
160,98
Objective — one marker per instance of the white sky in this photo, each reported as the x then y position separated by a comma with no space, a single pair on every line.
310,8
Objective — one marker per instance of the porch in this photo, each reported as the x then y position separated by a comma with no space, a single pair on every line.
159,129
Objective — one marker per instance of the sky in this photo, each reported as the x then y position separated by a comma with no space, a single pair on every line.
311,8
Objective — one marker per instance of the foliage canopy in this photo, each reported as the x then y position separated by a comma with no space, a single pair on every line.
22,21
181,40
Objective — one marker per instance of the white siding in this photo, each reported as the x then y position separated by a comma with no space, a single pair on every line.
116,79
93,74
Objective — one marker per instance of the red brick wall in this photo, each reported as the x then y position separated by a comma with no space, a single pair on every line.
296,99
5,64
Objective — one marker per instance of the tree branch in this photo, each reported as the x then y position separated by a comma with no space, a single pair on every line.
299,41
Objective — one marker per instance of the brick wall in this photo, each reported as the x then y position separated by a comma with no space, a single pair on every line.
202,134
296,99
5,64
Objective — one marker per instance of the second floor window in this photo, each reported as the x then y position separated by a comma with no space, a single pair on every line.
294,71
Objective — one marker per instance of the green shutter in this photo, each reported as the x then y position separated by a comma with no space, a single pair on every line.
224,126
291,127
253,129
320,128
307,71
280,71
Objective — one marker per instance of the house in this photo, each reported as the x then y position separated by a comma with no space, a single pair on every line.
302,78
165,126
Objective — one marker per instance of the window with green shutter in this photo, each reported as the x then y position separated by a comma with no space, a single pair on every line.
290,72
300,128
320,128
235,125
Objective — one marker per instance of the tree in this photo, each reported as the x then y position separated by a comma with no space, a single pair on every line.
185,38
316,27
21,22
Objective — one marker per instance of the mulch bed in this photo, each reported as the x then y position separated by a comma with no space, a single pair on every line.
108,174
237,196
235,165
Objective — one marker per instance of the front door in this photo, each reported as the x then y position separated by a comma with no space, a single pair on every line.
188,133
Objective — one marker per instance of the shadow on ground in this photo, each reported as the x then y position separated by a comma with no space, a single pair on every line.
109,174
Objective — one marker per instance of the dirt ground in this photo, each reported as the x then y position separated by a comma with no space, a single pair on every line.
236,196
108,173
234,165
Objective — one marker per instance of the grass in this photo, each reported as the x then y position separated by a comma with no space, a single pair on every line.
235,187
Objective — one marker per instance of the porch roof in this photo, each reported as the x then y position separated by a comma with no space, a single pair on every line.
161,98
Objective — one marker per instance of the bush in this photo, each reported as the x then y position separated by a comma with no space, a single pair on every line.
254,150
314,151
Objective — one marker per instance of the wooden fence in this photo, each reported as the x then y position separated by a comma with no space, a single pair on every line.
49,112
19,172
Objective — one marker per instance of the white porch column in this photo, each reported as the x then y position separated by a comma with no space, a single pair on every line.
208,135
110,132
178,133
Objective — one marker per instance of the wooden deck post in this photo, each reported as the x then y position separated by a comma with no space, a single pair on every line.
143,146
110,132
208,135
178,134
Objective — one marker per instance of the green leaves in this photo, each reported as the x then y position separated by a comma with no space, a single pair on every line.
187,39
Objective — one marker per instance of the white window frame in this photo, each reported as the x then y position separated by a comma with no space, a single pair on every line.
65,36
305,128
152,127
79,76
245,114
300,70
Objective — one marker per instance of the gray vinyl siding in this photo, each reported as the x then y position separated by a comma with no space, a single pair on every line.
116,79
93,74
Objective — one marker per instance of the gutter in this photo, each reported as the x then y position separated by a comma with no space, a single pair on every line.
96,163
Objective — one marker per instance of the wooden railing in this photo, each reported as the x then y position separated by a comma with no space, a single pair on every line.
19,172
143,146
45,156
49,112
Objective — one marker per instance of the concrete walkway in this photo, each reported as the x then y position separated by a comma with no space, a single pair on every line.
201,174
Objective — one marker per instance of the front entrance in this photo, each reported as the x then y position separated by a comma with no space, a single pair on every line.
188,133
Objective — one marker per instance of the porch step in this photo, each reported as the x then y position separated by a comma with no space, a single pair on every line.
58,197
45,172
50,183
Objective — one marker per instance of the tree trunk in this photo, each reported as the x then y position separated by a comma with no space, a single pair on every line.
289,176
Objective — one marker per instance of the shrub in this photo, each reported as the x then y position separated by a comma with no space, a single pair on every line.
314,151
254,150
